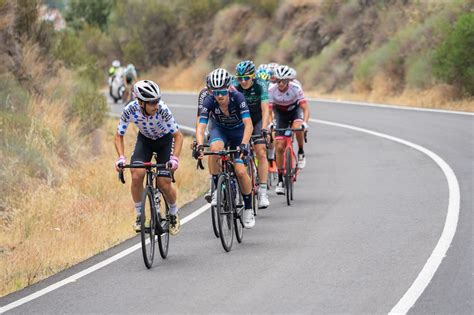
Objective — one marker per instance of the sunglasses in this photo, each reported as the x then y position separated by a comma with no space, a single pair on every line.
244,77
152,103
282,81
220,92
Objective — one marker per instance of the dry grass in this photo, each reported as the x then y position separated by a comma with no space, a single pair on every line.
88,212
437,97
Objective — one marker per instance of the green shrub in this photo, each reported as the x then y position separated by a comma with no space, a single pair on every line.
89,105
13,97
454,58
418,73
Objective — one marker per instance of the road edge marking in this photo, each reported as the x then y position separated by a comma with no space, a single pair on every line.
439,252
91,269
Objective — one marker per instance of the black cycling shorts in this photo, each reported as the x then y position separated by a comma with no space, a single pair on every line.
144,148
286,119
257,131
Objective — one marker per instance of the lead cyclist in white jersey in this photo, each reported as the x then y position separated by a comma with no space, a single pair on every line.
158,130
290,110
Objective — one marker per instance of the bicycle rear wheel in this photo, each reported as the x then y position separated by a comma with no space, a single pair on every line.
238,224
215,224
148,226
288,177
163,220
252,171
225,212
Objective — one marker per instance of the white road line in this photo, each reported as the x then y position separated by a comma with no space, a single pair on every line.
91,269
444,111
439,252
408,299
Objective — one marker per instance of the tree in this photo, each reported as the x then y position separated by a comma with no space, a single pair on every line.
95,13
454,58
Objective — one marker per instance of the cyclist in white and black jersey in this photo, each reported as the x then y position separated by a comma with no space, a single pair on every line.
290,110
157,132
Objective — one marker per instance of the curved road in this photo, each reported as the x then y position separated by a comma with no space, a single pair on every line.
367,215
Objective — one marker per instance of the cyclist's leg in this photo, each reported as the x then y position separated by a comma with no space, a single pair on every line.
283,120
142,153
163,147
297,121
217,140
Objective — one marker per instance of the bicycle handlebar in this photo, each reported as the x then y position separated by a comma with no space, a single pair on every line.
146,165
291,129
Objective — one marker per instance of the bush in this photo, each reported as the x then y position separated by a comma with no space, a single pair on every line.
13,97
419,71
454,58
89,105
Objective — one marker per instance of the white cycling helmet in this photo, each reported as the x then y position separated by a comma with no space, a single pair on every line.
219,79
283,72
292,73
147,90
115,63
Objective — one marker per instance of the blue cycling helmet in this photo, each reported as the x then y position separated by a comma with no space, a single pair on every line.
263,74
245,67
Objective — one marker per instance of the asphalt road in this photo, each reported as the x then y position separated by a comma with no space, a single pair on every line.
367,215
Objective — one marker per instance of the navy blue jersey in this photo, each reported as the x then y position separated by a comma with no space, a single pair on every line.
238,110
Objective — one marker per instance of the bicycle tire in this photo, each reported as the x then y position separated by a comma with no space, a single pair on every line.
293,175
147,227
254,182
288,179
215,224
238,224
225,212
164,238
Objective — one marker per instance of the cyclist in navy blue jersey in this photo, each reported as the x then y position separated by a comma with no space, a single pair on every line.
232,127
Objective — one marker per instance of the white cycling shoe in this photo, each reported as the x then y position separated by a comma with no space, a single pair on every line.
301,161
248,218
280,189
263,201
214,199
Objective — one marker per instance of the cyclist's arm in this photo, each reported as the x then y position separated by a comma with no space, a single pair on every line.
178,143
265,114
119,145
201,128
304,106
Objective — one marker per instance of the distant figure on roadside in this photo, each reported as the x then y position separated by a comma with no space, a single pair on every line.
113,70
129,77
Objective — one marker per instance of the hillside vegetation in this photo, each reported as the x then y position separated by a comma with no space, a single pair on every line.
375,47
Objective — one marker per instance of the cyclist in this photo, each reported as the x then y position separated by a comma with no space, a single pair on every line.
256,96
157,131
113,68
129,77
232,127
290,109
293,77
205,92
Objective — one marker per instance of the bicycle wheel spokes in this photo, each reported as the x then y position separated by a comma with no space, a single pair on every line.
148,225
164,238
225,213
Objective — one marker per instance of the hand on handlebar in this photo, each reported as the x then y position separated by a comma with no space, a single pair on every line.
244,149
119,163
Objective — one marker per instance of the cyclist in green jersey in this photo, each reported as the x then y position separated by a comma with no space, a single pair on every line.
255,92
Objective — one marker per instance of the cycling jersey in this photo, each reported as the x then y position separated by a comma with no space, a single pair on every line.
238,110
202,95
153,127
288,100
254,96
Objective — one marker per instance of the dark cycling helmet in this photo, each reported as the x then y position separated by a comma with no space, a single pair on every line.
245,67
208,81
283,73
219,79
147,90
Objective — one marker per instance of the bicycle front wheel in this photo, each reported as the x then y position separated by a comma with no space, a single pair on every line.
288,177
148,227
164,238
225,212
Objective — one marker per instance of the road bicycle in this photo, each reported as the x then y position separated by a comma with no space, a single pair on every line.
154,218
229,203
290,160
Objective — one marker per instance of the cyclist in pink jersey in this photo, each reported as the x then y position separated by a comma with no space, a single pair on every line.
290,109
